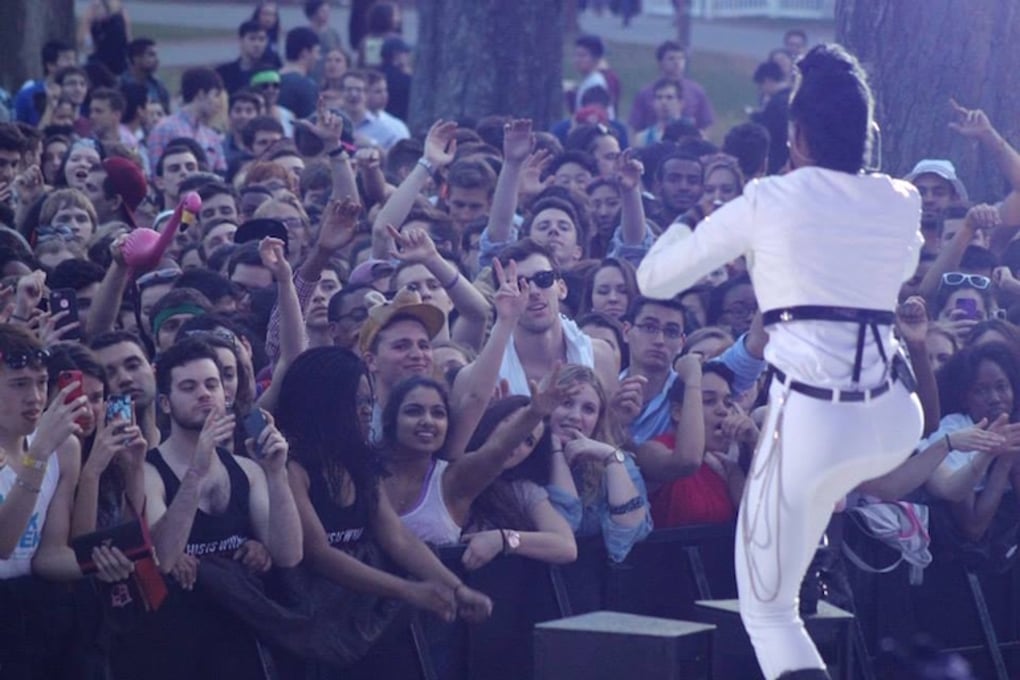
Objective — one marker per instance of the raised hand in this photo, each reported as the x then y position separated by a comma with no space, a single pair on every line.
48,331
30,185
413,245
629,170
912,320
115,441
510,301
628,400
273,258
739,427
367,158
28,293
971,123
688,368
339,224
328,126
270,451
441,144
978,437
218,428
518,140
982,217
531,175
551,392
57,422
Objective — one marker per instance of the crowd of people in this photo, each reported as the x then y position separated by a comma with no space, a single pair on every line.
241,438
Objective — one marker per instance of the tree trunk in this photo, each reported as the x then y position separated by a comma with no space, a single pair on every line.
25,25
683,22
918,55
482,57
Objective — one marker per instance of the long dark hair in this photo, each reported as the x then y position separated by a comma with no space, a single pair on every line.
498,505
832,103
318,414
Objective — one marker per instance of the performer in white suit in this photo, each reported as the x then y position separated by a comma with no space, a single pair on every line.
827,247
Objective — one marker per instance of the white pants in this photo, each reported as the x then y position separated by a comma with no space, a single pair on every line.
811,454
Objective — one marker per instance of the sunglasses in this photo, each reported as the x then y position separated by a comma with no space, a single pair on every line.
541,279
961,279
34,357
219,333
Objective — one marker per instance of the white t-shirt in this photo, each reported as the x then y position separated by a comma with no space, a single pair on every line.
20,561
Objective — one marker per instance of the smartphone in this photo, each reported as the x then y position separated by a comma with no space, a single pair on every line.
120,408
968,306
65,378
66,300
254,423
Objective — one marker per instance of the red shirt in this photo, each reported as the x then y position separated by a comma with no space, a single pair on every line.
702,498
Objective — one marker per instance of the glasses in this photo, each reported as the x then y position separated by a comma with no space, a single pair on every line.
961,279
670,331
541,279
157,277
34,357
218,333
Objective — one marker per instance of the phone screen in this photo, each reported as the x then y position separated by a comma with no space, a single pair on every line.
120,408
254,423
969,306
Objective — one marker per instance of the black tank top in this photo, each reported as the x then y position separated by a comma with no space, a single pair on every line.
212,534
344,524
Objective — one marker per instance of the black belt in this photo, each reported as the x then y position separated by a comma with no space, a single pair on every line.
826,394
827,313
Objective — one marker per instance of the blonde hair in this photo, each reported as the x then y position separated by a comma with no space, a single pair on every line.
284,198
587,473
62,199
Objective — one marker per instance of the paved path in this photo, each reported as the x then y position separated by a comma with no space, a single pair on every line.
714,36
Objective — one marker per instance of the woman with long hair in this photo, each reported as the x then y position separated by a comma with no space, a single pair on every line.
828,246
324,410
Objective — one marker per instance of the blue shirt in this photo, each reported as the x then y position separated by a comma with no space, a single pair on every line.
655,418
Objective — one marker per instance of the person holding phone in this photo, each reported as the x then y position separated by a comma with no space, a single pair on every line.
828,246
963,300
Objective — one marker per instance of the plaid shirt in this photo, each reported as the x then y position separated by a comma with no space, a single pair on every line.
183,124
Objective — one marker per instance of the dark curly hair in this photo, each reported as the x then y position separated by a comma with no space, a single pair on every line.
958,375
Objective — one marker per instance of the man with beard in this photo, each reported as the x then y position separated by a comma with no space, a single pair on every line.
678,185
201,501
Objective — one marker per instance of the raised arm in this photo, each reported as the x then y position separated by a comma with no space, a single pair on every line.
117,443
468,476
415,245
373,181
659,464
981,216
106,304
912,325
293,340
274,516
477,381
440,146
518,143
974,124
632,217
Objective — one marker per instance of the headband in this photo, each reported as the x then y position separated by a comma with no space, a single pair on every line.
185,308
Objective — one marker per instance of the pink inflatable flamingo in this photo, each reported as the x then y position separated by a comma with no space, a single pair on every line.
144,248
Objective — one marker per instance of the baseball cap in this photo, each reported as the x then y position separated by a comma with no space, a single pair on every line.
127,181
261,227
942,168
370,271
405,305
264,77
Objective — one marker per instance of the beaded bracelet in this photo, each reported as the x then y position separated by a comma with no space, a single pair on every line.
31,463
630,506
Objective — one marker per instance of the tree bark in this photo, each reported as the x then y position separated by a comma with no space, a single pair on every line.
483,57
25,25
918,55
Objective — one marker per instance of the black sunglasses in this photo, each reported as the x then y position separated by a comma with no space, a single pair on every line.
34,357
541,279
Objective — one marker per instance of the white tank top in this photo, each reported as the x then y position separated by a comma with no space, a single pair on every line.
429,519
20,561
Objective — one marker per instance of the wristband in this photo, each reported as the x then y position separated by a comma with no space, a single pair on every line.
631,505
949,443
18,481
506,544
21,318
31,463
451,284
425,163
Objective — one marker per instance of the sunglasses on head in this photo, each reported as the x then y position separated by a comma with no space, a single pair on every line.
32,357
220,333
961,279
157,277
541,279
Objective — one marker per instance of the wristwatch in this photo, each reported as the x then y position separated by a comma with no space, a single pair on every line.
512,541
617,456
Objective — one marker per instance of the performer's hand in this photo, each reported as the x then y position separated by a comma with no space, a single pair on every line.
912,320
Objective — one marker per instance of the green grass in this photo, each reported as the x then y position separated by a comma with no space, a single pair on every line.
170,33
726,78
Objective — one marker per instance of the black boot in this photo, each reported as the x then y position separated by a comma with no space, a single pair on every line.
806,674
